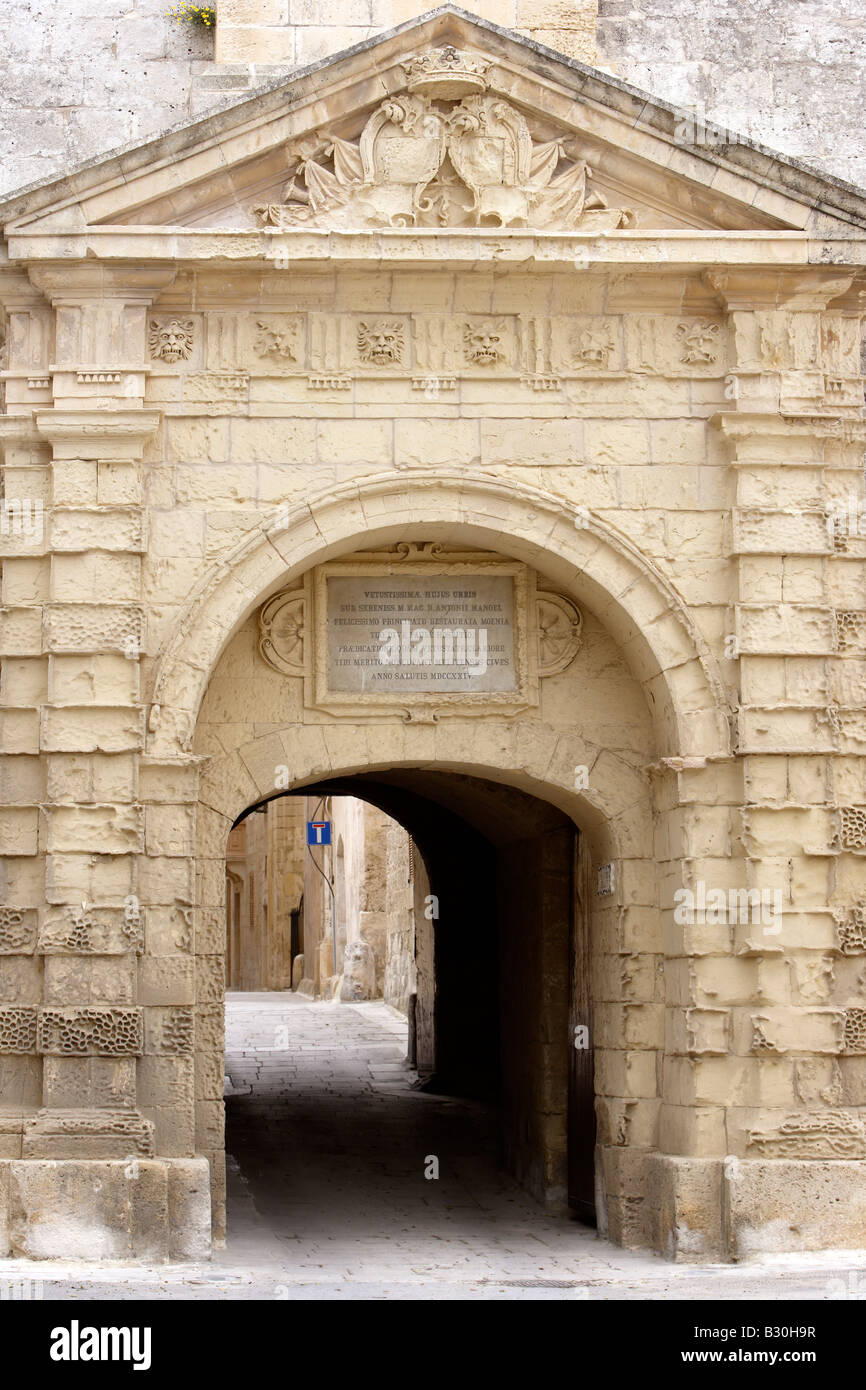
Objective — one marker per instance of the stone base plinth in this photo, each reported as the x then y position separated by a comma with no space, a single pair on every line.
695,1210
147,1209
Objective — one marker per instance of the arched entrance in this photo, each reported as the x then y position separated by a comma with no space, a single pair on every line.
604,736
500,925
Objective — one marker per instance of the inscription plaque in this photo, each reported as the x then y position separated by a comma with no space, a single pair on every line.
446,635
439,634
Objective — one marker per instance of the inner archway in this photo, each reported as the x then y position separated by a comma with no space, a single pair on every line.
499,1013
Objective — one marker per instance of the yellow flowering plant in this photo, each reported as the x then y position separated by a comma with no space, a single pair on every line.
205,15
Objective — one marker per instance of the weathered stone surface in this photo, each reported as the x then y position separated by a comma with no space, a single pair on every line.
93,1032
359,972
85,1209
789,1205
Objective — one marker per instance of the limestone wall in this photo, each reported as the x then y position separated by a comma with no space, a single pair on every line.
399,977
786,73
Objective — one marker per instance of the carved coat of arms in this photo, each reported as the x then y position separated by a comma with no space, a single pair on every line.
447,152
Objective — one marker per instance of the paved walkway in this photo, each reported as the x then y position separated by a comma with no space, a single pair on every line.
328,1198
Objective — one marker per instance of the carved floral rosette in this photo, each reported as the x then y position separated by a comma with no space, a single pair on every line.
281,632
559,626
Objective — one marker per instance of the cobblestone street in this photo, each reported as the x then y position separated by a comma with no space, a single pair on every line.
328,1143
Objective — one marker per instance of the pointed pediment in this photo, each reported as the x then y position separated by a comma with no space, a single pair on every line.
445,122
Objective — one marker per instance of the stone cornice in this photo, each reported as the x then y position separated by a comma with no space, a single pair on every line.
81,282
634,249
805,289
755,425
130,427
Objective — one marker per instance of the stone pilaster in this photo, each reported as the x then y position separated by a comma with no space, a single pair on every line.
784,1002
95,1025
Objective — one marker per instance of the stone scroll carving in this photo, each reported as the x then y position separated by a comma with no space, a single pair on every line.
282,624
447,152
281,633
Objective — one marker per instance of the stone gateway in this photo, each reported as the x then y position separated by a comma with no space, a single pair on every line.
439,423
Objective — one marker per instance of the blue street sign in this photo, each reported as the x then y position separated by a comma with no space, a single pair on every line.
318,832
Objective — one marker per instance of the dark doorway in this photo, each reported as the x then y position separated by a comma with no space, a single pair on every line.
502,943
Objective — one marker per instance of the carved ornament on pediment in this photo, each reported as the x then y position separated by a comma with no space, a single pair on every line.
447,152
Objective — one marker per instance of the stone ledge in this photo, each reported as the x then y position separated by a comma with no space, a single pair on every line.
146,1209
696,1210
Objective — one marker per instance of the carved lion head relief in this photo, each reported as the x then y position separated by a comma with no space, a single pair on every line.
170,340
485,343
381,341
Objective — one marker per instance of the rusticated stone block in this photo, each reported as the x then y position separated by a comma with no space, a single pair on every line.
84,1082
21,980
71,627
103,829
210,1029
189,1209
166,980
776,629
98,931
174,1130
170,1032
81,981
11,1132
792,1205
96,529
851,930
852,827
17,1028
81,1209
90,1032
17,930
87,1134
91,729
209,979
167,1081
811,1134
855,1030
